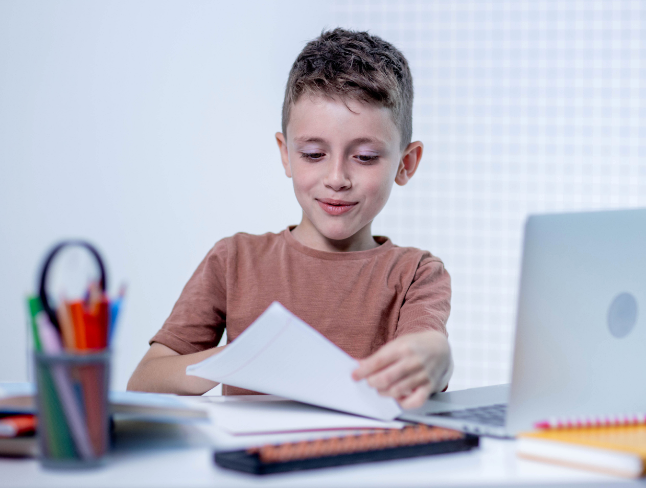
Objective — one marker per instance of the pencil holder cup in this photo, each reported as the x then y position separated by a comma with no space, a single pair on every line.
73,416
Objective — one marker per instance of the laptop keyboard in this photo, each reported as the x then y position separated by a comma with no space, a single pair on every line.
493,415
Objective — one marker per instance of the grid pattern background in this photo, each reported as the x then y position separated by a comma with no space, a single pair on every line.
524,106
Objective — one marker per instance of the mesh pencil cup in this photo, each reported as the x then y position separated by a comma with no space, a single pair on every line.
72,395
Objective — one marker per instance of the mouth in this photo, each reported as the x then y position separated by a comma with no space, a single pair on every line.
335,207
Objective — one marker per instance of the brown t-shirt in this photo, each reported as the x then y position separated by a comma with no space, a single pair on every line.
359,300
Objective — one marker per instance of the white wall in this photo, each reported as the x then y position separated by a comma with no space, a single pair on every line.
146,127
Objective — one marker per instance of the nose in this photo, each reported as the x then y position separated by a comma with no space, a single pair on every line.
337,177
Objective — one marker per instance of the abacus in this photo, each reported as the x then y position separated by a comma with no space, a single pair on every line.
411,441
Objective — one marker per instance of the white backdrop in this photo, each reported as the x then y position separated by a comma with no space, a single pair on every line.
525,106
147,127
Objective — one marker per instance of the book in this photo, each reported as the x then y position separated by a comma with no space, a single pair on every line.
18,398
17,425
22,446
156,407
617,450
18,436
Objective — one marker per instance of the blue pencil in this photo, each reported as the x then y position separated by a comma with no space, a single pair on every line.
115,308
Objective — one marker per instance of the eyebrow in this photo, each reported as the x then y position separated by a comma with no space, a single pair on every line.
310,139
358,140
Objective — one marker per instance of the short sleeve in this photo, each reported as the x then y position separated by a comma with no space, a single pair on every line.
427,302
198,318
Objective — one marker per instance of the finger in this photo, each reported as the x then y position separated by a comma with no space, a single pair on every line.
407,385
377,361
418,397
389,376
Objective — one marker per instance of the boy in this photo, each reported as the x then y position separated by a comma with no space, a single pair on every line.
346,137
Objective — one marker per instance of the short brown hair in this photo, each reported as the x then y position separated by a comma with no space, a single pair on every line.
357,65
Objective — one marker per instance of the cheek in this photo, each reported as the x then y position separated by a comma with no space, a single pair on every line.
304,178
380,187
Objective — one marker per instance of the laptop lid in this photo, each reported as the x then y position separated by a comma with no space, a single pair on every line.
580,345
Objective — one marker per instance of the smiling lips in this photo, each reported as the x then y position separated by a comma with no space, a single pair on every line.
335,207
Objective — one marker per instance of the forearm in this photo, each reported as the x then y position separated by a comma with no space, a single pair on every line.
167,374
448,364
444,359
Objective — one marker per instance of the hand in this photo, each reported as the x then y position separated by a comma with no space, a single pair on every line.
409,368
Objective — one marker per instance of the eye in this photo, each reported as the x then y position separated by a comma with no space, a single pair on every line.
367,158
312,156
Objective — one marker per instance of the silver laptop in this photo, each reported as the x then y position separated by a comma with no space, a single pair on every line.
580,346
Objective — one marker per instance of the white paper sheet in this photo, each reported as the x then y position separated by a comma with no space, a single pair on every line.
267,414
282,355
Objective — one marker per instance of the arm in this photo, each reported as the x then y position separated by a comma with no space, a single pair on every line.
163,370
196,323
417,362
409,368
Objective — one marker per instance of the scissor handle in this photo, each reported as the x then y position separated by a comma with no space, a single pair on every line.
43,274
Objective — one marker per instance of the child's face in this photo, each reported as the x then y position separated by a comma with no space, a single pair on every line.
343,159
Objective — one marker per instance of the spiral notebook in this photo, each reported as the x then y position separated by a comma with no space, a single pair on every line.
618,449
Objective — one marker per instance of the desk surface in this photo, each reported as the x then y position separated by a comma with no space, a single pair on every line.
172,455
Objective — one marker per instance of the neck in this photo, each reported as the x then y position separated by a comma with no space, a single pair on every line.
309,236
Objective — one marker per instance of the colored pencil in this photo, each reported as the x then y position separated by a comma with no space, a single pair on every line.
92,381
51,345
35,307
66,324
115,309
78,319
60,442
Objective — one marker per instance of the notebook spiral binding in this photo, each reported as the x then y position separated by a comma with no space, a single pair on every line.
591,421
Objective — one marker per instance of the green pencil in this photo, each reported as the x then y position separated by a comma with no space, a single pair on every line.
35,307
58,429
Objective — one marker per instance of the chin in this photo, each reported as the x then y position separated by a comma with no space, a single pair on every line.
337,232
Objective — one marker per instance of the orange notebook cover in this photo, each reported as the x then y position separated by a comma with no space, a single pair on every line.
617,450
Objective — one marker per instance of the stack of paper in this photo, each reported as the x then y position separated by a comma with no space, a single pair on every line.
282,355
267,414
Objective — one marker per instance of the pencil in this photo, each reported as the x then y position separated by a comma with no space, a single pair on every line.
35,307
77,312
92,381
92,334
60,440
102,315
63,386
115,309
67,327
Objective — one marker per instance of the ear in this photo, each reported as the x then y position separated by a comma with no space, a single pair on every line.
409,162
284,156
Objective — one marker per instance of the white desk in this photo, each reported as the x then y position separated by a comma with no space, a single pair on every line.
181,455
